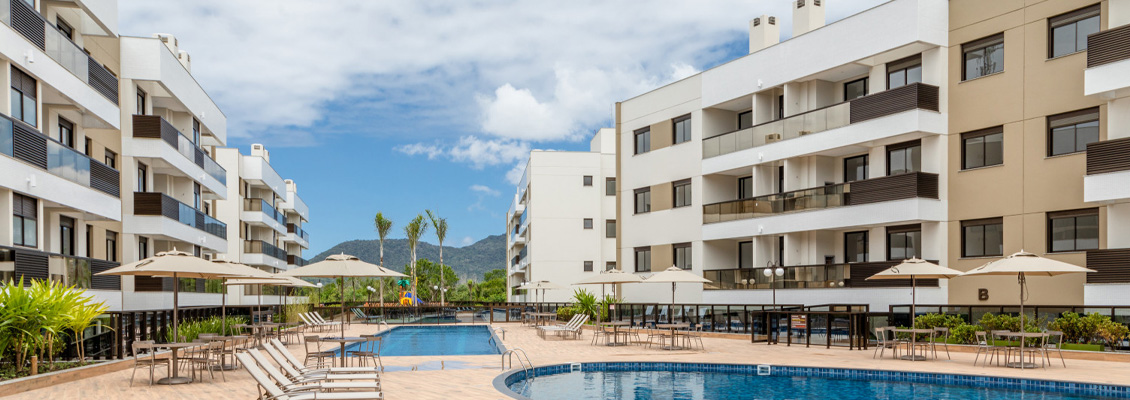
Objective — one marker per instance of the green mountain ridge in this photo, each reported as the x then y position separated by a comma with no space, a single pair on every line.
470,261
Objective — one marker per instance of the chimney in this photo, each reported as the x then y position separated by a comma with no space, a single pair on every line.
763,32
807,16
170,41
185,60
258,150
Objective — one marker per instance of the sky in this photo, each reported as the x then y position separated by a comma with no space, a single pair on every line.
402,106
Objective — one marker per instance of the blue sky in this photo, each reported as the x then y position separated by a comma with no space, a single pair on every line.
402,106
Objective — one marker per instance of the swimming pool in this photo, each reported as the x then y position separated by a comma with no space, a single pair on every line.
729,381
459,340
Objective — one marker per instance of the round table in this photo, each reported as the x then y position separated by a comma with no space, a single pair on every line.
174,378
1023,336
914,343
229,340
342,342
616,331
539,317
672,327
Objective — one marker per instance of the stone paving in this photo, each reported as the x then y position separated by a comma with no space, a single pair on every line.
470,377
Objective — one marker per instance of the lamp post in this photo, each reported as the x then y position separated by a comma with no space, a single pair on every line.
773,274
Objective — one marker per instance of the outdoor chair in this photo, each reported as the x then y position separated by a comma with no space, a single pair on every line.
690,338
318,317
317,354
983,347
1001,344
1034,350
271,390
209,358
285,359
944,334
370,348
353,381
145,356
543,329
1054,342
600,333
885,340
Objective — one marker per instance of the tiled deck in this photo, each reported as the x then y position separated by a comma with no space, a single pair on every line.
470,377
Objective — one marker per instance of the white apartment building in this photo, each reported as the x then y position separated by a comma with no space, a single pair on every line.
561,226
823,154
108,151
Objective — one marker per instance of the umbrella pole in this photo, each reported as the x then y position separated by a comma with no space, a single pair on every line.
343,310
259,308
176,293
913,301
224,308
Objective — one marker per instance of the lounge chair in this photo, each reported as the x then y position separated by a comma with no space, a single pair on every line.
542,329
573,328
282,356
309,392
318,318
365,317
311,323
291,381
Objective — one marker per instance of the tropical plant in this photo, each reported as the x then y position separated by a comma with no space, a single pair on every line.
566,313
428,276
35,319
1077,328
584,302
190,330
932,320
413,231
964,333
383,226
440,225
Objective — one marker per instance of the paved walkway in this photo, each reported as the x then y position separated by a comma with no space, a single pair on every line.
470,377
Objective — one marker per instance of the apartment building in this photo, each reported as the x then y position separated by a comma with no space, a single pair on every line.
561,226
823,156
267,218
109,155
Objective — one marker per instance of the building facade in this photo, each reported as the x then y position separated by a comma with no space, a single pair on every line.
109,154
561,226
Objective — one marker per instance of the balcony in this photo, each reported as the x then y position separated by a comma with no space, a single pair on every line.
906,98
295,234
1108,63
154,127
161,204
70,270
1108,171
295,203
876,190
852,275
1113,265
258,252
29,23
296,260
259,212
258,171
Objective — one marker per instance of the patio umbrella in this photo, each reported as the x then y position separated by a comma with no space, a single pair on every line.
342,266
675,275
916,268
543,286
175,264
1025,264
247,271
612,276
271,280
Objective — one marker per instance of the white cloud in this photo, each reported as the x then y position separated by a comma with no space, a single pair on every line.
467,241
432,151
480,152
484,190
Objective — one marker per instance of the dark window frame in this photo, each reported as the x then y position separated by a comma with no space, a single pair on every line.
142,178
904,66
609,186
1074,215
981,44
142,247
643,134
688,131
688,256
111,159
1073,119
646,252
741,254
67,236
866,83
981,133
610,233
89,150
24,209
89,241
140,102
687,193
66,132
26,86
111,246
866,246
66,29
587,223
636,200
983,222
743,113
588,266
903,229
1072,18
866,167
586,180
742,182
904,146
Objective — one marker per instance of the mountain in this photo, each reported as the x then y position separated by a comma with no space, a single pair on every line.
470,261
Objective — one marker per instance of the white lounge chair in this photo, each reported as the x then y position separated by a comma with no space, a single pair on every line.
311,323
307,383
573,328
275,392
542,329
282,356
318,317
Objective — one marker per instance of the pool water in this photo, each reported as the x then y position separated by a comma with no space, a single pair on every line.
437,341
728,385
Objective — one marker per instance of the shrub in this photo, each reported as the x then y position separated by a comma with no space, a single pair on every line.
191,329
964,333
1089,329
35,318
931,321
585,303
565,313
1113,332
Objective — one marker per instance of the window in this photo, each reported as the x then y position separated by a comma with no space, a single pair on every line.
111,246
609,228
609,186
1073,230
196,195
682,191
682,255
682,129
781,106
745,187
904,242
1071,132
745,119
643,140
1067,33
643,259
855,246
855,89
587,180
142,178
140,102
904,72
588,223
904,157
855,168
745,255
643,200
66,236
196,131
982,57
23,97
66,133
25,216
89,241
611,265
142,247
111,159
588,266
89,148
982,148
982,237
65,28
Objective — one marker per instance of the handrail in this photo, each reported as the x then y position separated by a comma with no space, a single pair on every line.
517,351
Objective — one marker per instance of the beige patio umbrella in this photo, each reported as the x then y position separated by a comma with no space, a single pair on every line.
916,268
272,280
1024,264
610,277
247,271
342,266
675,275
176,264
543,286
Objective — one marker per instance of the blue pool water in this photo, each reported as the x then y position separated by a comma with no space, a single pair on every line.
669,384
437,341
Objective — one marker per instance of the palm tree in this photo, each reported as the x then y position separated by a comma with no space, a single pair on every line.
384,226
471,288
413,231
441,232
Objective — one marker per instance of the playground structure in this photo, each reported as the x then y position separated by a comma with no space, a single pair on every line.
407,298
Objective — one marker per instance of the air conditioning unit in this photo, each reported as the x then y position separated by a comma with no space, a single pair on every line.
772,137
208,256
802,133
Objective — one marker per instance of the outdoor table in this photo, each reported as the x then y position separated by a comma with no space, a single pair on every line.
616,331
673,327
173,378
914,343
540,317
1022,336
342,341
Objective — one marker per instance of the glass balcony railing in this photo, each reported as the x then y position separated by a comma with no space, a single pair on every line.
23,142
821,276
261,247
68,270
297,231
150,203
263,206
155,127
296,260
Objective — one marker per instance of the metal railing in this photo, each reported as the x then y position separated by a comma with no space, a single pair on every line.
152,203
261,205
156,127
25,143
808,277
298,231
261,247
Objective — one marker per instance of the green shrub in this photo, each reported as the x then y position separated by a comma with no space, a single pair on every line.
931,321
34,319
585,303
1089,329
191,329
964,333
565,313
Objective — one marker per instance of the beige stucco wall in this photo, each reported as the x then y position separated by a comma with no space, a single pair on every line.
662,257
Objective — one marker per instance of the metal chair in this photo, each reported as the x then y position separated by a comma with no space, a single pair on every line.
1000,343
886,341
944,333
318,354
371,348
1054,341
145,355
